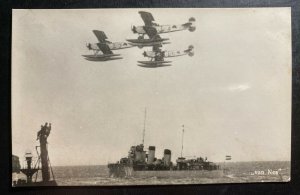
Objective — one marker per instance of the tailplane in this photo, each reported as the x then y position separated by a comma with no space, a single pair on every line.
190,50
190,25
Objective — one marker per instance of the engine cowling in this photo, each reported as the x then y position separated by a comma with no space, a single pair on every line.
89,46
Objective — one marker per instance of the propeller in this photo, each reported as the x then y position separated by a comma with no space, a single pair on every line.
89,46
144,53
133,28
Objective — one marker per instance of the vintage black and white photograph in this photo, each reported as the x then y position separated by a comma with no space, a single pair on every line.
150,96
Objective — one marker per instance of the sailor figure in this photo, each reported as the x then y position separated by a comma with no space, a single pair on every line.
45,131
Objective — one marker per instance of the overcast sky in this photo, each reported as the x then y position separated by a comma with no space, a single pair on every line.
233,95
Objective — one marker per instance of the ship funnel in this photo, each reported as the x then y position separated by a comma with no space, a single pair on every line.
151,154
140,154
167,157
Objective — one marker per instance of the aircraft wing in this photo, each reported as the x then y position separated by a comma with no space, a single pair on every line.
100,36
147,18
151,32
156,48
104,48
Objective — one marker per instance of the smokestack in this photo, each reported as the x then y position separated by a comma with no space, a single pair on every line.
151,154
140,154
167,157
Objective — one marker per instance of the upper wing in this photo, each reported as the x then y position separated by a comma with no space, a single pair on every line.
151,32
147,18
100,36
104,48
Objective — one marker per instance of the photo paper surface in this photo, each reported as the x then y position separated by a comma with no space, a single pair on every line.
150,96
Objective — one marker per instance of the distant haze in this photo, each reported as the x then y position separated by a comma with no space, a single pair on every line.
233,96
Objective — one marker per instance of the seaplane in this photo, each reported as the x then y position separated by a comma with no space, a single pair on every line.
157,57
153,30
154,39
105,47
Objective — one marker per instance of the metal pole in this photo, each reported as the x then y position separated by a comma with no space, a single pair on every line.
144,125
51,169
182,139
44,133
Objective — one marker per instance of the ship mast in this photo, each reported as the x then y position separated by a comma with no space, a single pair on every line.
144,126
44,133
182,139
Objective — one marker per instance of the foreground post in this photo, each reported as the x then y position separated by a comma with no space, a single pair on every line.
42,136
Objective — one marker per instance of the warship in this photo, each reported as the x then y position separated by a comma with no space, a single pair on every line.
32,168
142,164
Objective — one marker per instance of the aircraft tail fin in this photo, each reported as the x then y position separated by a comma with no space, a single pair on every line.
190,50
190,24
192,20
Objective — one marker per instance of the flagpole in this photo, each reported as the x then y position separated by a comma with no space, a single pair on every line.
144,125
182,139
227,157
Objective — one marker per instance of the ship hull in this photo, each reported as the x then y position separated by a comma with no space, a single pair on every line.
32,184
178,174
127,171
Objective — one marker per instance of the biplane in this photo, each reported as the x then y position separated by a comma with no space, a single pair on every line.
152,30
157,57
105,47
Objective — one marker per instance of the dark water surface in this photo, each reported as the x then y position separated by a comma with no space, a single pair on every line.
240,172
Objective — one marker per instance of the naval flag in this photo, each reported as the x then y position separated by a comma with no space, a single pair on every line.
228,157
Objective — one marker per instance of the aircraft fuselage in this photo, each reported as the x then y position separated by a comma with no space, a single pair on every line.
112,46
164,28
166,54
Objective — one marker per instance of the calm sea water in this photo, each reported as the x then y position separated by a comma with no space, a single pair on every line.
240,172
